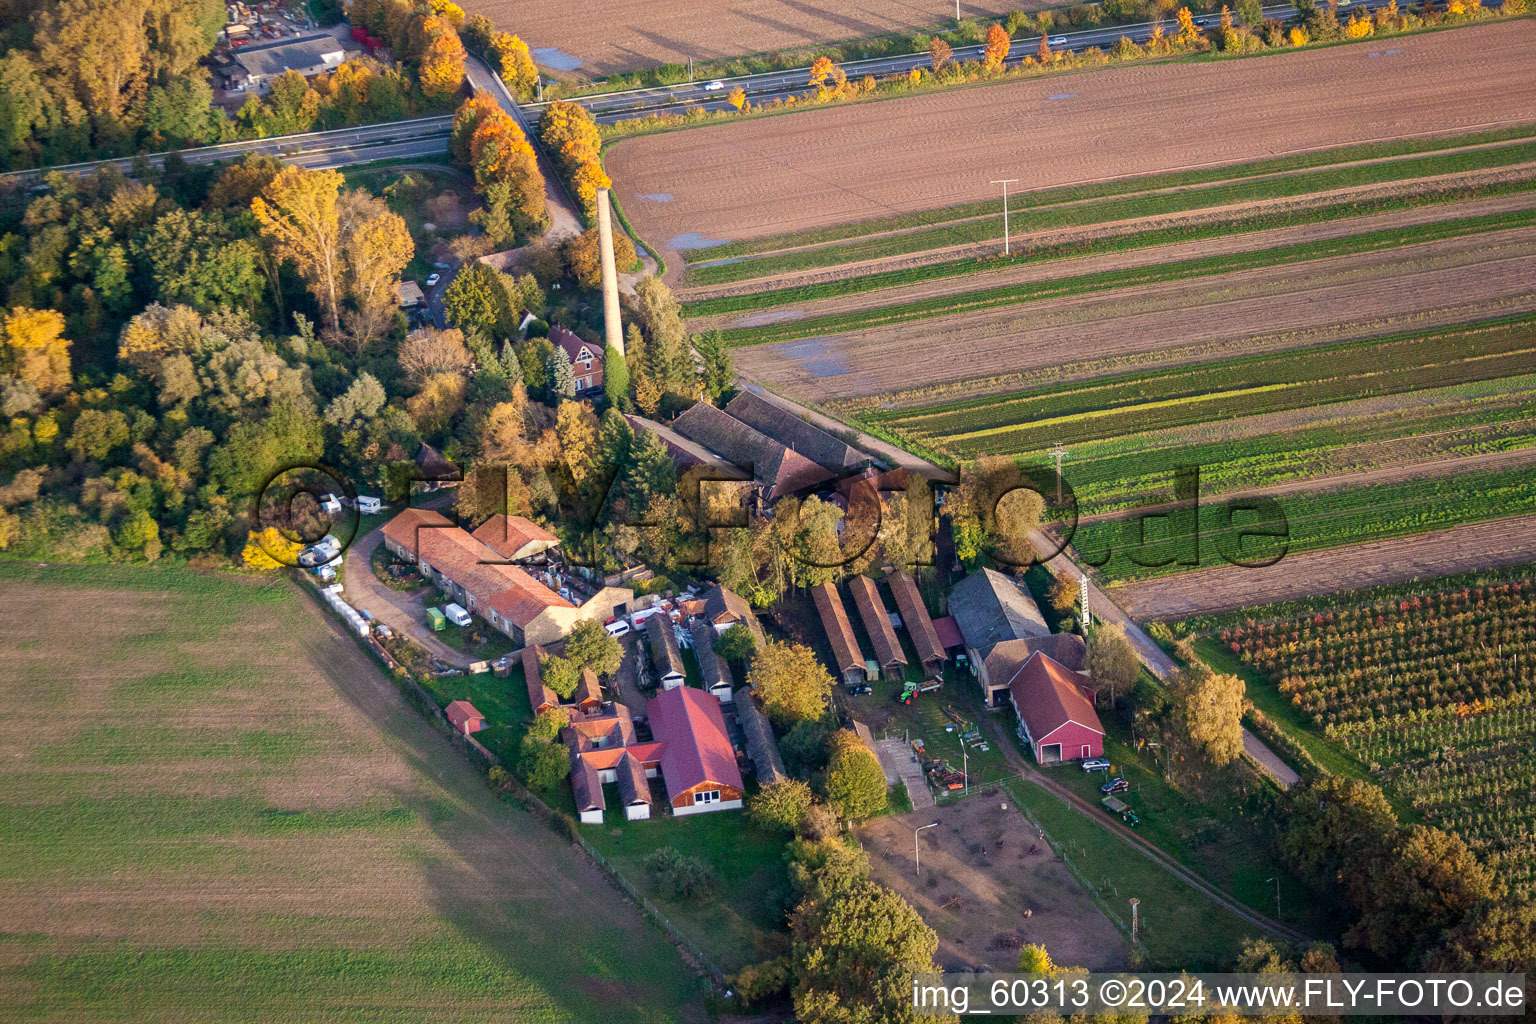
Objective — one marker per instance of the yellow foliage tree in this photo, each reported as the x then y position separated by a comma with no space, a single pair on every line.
269,550
736,98
517,67
442,63
1359,28
36,350
298,216
996,50
589,177
450,12
821,69
1299,37
1187,29
377,249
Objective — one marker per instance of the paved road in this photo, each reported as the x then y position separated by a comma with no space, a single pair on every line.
609,108
399,611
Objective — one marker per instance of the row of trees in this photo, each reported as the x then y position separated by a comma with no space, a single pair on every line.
489,143
571,138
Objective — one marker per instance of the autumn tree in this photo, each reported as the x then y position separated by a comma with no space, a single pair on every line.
780,805
269,550
516,64
1112,661
440,399
429,352
1429,881
790,681
1043,52
1062,594
939,54
36,352
821,70
583,255
996,50
298,214
1208,707
736,98
441,69
1187,30
855,782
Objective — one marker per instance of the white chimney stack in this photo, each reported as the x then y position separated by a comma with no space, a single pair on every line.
613,330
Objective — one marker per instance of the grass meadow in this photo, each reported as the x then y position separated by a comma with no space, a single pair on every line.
213,807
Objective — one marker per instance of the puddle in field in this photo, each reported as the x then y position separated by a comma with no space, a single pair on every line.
551,57
694,240
1384,53
718,263
657,197
1063,95
776,316
812,354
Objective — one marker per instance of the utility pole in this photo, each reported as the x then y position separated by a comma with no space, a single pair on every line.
965,766
1082,584
1135,919
1005,182
690,67
916,852
1058,453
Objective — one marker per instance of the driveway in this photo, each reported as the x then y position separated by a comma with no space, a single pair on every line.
399,611
899,762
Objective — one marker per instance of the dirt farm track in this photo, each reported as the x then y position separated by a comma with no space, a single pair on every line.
762,177
606,36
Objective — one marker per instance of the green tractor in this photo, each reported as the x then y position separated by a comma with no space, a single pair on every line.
908,693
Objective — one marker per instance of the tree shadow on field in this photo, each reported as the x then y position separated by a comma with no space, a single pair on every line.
856,29
542,916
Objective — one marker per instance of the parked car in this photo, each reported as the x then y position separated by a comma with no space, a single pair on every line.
1095,764
456,614
1118,785
432,279
861,690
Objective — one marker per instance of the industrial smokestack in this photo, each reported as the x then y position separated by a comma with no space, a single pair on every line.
612,329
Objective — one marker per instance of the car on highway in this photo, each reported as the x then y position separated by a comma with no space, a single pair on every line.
714,86
1119,785
1095,764
433,279
1058,41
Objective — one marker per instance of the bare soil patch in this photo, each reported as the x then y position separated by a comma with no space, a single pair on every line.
1265,309
839,164
1492,544
989,883
588,38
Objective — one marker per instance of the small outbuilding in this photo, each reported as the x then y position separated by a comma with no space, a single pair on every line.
834,620
914,615
666,655
1055,711
889,656
464,718
713,671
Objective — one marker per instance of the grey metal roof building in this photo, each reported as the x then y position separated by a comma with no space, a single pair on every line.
757,734
990,608
773,420
308,55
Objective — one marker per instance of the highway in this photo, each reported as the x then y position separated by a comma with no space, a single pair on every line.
426,137
610,108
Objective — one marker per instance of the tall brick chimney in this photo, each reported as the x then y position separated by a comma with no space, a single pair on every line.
613,330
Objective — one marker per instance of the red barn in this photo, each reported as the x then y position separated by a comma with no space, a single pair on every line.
1055,709
464,718
698,764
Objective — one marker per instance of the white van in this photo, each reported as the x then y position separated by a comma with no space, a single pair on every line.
616,627
368,505
456,615
330,505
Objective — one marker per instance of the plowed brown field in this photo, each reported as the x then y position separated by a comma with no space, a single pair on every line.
620,35
1462,549
849,163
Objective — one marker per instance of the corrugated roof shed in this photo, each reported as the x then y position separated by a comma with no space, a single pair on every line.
698,750
665,653
834,619
775,468
757,733
779,423
877,621
989,608
713,670
633,787
914,615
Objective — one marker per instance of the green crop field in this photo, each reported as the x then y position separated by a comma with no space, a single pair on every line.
1431,689
214,808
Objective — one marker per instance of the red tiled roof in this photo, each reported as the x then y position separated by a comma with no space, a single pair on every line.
1048,695
877,621
403,529
948,631
539,695
462,711
648,754
573,345
509,535
834,619
689,722
914,614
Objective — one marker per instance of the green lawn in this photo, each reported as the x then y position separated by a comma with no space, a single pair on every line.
738,927
213,808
